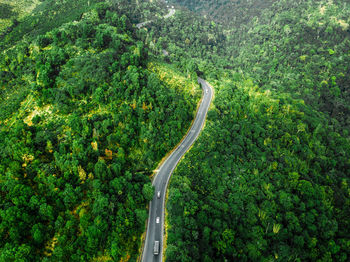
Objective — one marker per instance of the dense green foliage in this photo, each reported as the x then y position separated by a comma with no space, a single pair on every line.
232,12
195,48
302,50
87,110
269,177
299,47
83,125
45,16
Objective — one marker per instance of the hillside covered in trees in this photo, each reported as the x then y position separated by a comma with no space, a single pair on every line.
268,179
228,12
86,114
89,105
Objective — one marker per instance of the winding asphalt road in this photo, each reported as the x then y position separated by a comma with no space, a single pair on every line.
157,204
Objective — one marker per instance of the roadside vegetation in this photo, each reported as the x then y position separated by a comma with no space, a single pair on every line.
85,116
268,179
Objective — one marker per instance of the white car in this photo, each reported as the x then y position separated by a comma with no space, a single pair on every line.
157,220
206,91
158,194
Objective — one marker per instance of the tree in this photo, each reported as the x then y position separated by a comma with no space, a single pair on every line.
141,216
148,191
37,233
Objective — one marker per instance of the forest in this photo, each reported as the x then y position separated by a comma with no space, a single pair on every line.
268,179
85,116
89,105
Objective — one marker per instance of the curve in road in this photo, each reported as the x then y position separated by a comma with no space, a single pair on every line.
155,227
170,14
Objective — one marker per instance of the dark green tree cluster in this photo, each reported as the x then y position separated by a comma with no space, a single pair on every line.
74,177
228,12
141,10
194,44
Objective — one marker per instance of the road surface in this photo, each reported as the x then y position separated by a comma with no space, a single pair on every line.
170,14
157,205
